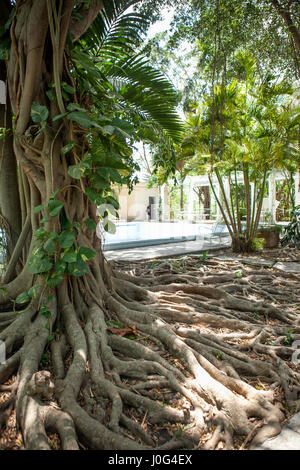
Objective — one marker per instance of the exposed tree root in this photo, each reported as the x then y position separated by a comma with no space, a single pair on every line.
206,356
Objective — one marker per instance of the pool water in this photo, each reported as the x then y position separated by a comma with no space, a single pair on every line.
134,234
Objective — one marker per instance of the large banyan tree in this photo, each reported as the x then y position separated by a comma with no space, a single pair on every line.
78,96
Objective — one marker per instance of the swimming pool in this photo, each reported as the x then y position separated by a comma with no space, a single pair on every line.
135,234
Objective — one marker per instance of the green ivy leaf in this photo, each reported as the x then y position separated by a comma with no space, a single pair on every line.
75,107
65,223
55,279
115,175
69,255
51,95
40,232
45,312
60,267
104,173
91,224
111,200
67,147
94,196
82,118
39,112
78,171
68,88
49,246
59,116
66,238
109,227
33,291
98,182
131,336
79,268
23,298
108,130
86,253
38,209
55,207
39,265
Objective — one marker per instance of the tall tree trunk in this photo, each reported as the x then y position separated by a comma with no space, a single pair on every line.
9,188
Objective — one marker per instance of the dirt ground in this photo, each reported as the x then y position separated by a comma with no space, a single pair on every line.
250,277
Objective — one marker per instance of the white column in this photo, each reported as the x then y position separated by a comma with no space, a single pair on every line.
226,189
251,195
164,194
218,193
190,202
123,201
272,197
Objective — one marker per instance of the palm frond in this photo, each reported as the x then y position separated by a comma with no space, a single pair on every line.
148,91
114,32
131,82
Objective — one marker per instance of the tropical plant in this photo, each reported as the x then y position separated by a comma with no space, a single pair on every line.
235,134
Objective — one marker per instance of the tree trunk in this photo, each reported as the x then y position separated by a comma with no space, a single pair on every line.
9,189
74,304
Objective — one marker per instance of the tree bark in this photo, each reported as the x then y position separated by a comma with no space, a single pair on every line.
9,188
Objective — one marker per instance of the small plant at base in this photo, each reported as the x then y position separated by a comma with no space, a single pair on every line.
288,338
45,358
179,433
219,355
176,265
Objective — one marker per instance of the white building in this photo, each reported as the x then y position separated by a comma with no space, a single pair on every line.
134,206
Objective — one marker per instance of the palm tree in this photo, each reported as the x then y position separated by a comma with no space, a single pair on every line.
252,133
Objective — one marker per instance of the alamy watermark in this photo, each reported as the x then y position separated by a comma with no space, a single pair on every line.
2,92
2,352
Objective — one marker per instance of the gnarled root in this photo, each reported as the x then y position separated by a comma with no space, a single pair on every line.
110,367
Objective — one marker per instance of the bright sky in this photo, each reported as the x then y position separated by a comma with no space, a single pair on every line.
160,26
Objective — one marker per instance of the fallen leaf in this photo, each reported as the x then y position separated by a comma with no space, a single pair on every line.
127,330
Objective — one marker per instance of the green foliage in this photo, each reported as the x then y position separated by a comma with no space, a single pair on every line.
245,128
219,355
5,39
90,224
288,338
55,207
257,244
39,113
56,254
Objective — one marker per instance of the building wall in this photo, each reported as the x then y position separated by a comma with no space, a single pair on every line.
133,206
